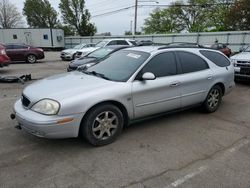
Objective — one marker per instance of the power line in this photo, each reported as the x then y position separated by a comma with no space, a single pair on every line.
172,5
113,12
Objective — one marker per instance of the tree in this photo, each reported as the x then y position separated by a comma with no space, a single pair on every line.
9,15
127,33
238,16
68,30
218,14
196,15
40,13
165,21
74,13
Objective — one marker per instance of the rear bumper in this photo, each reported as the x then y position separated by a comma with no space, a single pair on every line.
46,126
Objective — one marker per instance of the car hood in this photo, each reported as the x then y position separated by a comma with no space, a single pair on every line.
242,56
90,49
71,51
83,61
65,85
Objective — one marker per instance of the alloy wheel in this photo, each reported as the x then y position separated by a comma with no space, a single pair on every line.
105,125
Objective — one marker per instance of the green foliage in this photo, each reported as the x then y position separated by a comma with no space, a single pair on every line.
165,21
238,16
128,33
68,30
75,14
196,15
200,16
40,13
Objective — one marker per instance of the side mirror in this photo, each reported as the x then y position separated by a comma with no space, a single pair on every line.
82,67
148,76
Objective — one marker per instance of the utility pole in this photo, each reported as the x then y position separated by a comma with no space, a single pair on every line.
135,22
131,27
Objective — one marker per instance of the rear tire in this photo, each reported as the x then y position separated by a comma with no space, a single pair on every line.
102,125
31,58
213,100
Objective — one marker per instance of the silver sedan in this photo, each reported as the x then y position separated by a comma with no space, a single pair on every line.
131,84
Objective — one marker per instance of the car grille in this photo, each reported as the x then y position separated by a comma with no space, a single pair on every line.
25,101
243,63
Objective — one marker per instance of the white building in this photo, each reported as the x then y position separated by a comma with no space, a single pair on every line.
45,37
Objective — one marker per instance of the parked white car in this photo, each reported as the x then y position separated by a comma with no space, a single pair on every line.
104,43
241,63
69,54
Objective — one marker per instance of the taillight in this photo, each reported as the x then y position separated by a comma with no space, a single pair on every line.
2,52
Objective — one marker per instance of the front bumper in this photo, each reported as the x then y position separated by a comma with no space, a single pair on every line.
46,126
239,74
67,56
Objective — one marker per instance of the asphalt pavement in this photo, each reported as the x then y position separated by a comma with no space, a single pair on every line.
185,149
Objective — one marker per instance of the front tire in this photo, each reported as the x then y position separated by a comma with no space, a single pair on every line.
102,125
213,100
31,58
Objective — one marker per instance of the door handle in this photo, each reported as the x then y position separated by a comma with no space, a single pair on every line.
175,84
210,77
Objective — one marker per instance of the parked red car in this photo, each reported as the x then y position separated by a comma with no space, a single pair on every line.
22,52
4,59
223,48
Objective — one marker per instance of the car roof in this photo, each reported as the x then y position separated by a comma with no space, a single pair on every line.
117,39
148,49
17,44
152,49
116,47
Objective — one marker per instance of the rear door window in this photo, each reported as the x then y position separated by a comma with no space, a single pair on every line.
191,62
122,42
114,42
19,47
9,46
216,58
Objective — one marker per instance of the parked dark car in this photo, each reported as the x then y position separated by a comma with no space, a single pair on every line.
145,43
4,59
223,48
23,52
94,57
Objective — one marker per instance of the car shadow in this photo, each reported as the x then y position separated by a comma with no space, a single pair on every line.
138,126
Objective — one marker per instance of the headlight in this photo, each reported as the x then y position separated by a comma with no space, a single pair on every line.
234,62
46,106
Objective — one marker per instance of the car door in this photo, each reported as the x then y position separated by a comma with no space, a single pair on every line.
196,78
10,51
16,52
21,52
159,95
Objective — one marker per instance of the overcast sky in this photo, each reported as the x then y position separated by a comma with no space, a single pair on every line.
115,23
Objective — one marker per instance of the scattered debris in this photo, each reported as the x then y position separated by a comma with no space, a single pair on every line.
15,79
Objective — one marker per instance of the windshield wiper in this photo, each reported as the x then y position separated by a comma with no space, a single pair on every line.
96,74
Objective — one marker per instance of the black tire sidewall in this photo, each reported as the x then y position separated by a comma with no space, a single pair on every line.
207,108
86,127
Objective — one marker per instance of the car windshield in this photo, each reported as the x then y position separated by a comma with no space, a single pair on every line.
79,46
100,53
247,49
101,44
120,65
